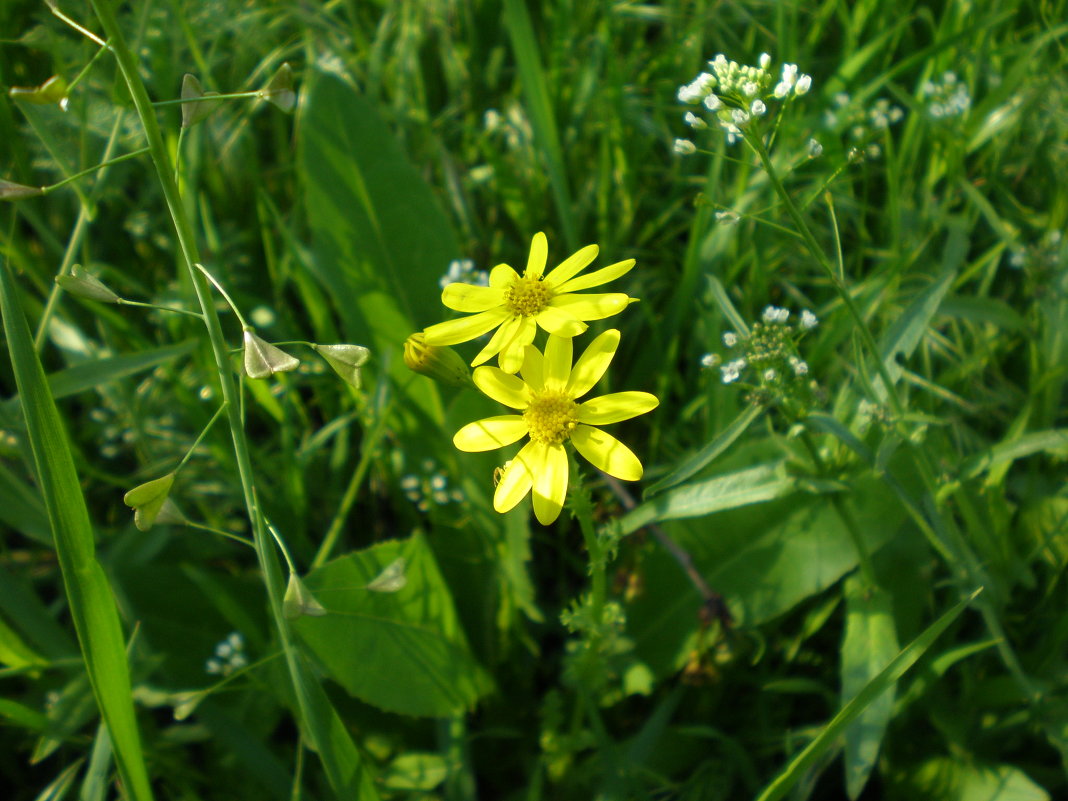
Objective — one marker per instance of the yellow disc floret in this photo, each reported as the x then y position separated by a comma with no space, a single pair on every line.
527,296
551,417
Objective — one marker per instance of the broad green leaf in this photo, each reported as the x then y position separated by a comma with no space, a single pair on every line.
870,644
744,487
92,604
947,779
401,651
764,560
825,740
381,240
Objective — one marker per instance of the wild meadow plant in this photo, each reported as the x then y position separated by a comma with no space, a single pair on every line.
815,541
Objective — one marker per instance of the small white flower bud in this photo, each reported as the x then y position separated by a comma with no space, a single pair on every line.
685,147
758,107
765,60
694,121
804,83
712,102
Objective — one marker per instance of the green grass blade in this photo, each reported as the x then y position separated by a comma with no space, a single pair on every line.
795,771
92,605
710,451
540,109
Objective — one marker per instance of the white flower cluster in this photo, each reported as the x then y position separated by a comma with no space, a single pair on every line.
736,93
462,271
229,656
770,348
431,486
947,97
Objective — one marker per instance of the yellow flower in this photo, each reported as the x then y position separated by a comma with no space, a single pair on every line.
546,392
517,304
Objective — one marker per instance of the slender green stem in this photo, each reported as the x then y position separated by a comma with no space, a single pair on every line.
229,301
202,98
157,307
367,451
580,505
200,437
331,741
71,178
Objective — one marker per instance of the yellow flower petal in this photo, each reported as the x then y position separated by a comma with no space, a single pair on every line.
493,432
592,363
503,388
558,355
615,407
469,298
511,358
515,483
591,307
571,266
501,276
549,465
539,252
533,369
452,331
597,277
501,337
607,453
559,322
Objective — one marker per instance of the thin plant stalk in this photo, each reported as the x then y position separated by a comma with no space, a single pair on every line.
341,761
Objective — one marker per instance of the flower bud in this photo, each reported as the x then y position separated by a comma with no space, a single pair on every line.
439,362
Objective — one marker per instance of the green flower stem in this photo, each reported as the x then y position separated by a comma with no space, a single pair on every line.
88,171
171,309
328,736
202,98
579,503
200,437
229,301
367,451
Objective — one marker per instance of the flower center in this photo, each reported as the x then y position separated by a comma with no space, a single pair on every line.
527,296
551,417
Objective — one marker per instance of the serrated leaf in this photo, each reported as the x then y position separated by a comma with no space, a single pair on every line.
262,359
402,651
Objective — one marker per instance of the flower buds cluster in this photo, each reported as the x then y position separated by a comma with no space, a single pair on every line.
735,94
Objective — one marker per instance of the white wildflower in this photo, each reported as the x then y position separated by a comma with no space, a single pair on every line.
730,339
815,149
808,320
694,121
757,108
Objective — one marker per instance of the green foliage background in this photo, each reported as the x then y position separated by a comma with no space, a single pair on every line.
765,572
